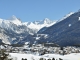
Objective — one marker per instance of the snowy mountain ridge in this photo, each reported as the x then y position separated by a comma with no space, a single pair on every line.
14,31
65,32
37,25
66,16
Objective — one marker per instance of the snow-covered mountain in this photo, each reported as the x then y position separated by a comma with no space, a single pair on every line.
37,25
13,30
66,32
66,16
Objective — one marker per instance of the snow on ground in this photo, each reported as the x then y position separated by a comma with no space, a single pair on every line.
79,19
73,56
18,56
69,25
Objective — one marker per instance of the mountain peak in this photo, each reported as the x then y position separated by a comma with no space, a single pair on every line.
13,17
47,21
15,20
66,16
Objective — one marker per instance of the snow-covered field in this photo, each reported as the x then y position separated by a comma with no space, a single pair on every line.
19,56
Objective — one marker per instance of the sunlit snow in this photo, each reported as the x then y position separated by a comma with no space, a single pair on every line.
18,56
66,16
79,19
16,20
69,25
37,38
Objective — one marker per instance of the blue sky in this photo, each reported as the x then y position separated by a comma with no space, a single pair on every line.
34,10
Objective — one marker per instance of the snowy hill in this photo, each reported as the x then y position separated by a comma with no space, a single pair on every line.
65,32
14,30
34,26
